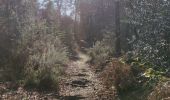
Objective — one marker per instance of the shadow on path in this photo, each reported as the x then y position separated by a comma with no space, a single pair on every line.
76,97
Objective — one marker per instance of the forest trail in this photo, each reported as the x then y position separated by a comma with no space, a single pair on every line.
80,82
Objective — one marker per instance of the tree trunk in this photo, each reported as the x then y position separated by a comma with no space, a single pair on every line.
117,29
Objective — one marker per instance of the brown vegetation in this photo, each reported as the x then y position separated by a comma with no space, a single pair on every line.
160,92
118,75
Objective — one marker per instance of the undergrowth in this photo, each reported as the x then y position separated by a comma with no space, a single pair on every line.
45,66
100,54
133,77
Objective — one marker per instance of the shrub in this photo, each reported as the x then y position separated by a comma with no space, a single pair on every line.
146,79
31,48
119,75
160,92
43,78
100,53
45,63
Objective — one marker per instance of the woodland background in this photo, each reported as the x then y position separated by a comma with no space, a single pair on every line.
128,40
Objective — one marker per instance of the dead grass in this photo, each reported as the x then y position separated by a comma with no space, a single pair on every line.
160,92
117,75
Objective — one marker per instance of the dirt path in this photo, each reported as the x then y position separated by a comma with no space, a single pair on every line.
80,82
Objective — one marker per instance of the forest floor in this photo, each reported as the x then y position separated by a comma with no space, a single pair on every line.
80,82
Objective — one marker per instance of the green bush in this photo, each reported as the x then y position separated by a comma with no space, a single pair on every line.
147,79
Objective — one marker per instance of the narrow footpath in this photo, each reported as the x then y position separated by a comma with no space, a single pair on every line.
80,82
